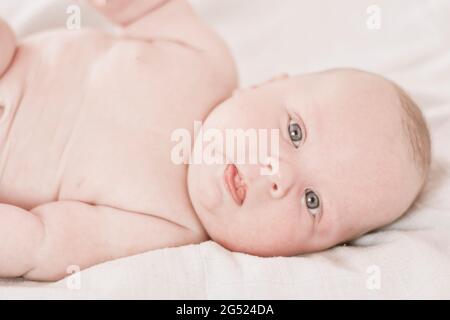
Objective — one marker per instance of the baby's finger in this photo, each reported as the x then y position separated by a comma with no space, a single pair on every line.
125,12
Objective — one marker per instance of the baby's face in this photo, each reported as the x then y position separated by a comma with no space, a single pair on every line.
342,165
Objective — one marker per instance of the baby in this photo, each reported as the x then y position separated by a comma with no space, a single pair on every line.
86,137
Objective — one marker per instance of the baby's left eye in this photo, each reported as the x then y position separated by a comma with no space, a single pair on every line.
295,133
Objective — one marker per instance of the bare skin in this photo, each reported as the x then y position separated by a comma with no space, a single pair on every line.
85,170
86,173
352,159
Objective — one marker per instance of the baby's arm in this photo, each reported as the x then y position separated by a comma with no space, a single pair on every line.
173,22
165,20
42,243
7,46
126,12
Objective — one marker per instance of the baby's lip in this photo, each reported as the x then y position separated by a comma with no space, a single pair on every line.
235,184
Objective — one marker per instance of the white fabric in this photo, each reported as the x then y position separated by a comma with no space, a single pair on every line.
267,37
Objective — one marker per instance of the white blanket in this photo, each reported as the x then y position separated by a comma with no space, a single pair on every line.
409,259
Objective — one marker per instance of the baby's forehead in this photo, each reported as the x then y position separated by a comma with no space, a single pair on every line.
347,83
359,96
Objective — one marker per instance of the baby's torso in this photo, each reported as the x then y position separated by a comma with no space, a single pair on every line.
93,122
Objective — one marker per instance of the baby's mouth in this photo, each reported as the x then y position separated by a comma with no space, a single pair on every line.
235,184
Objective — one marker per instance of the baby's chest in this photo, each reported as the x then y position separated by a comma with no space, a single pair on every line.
124,159
106,138
123,137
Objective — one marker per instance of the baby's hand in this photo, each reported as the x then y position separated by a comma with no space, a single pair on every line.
8,46
125,12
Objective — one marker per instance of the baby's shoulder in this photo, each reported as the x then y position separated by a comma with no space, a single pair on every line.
201,65
207,57
53,46
206,66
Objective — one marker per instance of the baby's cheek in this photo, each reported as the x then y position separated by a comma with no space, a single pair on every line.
278,235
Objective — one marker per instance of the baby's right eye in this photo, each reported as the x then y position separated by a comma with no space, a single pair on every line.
295,133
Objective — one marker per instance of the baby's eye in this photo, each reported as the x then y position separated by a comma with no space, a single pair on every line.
312,202
295,133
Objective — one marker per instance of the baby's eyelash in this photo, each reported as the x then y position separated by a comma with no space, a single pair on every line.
295,130
295,133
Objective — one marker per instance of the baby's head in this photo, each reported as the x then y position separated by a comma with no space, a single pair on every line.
353,155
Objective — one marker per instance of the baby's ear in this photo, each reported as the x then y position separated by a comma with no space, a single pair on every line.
8,46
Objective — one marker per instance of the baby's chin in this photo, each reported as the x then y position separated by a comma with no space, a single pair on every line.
271,250
262,246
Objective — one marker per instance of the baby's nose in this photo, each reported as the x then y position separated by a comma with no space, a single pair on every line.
281,181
